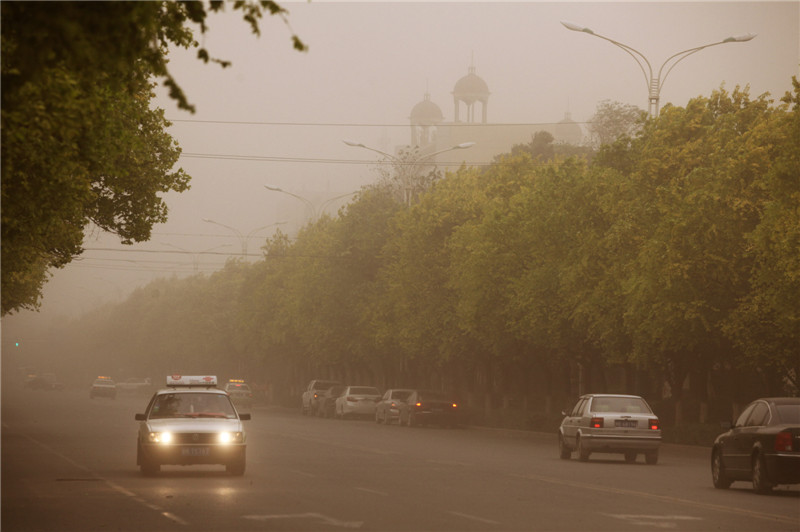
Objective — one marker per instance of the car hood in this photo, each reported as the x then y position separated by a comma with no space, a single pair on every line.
194,425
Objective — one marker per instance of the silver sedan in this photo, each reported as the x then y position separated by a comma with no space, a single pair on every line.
605,423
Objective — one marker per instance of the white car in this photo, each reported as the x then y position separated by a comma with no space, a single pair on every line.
357,401
189,422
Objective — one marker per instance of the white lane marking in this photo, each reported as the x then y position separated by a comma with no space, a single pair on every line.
475,518
663,498
376,492
309,515
108,483
655,521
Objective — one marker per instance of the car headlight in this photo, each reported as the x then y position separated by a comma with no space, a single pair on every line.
230,437
160,437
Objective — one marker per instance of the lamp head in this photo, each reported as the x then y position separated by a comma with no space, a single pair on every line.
741,38
575,27
354,144
464,145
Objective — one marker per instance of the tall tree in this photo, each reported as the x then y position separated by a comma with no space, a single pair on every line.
80,143
613,120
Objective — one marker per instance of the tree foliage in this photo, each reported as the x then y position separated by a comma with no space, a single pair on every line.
80,142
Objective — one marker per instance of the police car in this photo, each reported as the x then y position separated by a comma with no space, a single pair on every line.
103,387
240,393
190,422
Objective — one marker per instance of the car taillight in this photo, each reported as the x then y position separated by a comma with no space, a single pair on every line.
418,405
653,424
316,395
596,423
454,405
783,441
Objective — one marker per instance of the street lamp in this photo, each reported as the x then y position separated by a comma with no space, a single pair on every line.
242,238
414,163
195,254
314,211
656,83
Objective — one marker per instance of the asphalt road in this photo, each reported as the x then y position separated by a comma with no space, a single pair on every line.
68,463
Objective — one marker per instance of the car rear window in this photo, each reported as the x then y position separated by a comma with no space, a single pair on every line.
364,390
432,396
401,394
789,414
324,385
624,405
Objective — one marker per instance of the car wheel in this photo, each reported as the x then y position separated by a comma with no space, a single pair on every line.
583,452
411,421
564,452
149,468
377,418
387,420
236,468
761,483
630,457
651,457
718,475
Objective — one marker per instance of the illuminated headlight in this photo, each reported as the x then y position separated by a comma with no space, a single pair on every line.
160,437
230,437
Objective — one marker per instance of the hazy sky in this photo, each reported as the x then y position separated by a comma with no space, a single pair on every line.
278,116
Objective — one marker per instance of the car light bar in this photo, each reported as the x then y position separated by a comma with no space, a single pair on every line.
191,380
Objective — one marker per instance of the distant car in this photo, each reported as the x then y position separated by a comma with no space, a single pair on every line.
428,407
240,393
103,387
762,446
358,401
45,381
605,423
326,401
313,390
387,410
189,422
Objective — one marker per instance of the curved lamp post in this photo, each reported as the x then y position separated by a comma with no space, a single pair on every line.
656,82
314,211
243,239
412,163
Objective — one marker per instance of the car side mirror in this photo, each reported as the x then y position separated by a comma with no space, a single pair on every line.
244,417
563,412
140,417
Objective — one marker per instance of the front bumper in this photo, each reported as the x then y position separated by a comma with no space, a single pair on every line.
190,454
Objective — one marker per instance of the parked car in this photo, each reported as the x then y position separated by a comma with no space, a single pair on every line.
45,381
357,401
313,390
103,387
326,401
762,446
424,407
388,410
605,423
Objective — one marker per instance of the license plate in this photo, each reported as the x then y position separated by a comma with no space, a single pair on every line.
626,423
195,451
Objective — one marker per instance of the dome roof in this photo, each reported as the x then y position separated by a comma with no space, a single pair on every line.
472,85
568,131
426,112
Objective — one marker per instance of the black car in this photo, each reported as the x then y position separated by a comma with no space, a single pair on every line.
763,446
424,407
326,401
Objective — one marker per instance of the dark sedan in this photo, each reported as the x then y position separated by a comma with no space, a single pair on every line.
763,446
424,407
326,401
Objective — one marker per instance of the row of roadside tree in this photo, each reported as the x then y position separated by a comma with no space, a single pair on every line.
668,266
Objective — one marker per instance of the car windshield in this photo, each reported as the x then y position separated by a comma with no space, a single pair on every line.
364,390
431,396
192,405
624,405
789,414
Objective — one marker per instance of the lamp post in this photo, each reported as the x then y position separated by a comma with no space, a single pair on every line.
405,164
243,239
195,254
314,211
656,82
